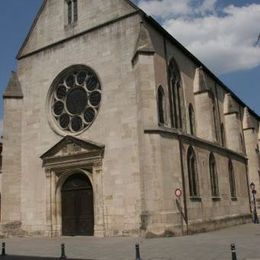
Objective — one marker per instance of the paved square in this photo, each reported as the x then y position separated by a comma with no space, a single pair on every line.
209,246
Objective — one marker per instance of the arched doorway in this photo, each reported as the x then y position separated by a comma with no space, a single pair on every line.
77,206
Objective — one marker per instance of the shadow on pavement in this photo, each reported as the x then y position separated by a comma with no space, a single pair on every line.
16,257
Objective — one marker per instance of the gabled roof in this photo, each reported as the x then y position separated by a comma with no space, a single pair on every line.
13,89
85,144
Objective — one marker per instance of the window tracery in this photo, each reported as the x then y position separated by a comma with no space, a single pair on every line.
213,176
161,105
75,99
176,95
232,181
192,121
223,135
72,11
192,173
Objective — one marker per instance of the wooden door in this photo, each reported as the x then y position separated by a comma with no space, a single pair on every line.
77,206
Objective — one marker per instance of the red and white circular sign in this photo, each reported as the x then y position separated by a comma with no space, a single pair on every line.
178,192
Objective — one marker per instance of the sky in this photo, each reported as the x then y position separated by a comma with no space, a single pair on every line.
221,33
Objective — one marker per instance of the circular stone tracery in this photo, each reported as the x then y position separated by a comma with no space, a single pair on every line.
75,99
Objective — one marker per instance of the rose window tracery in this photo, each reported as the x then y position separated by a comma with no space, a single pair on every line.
75,99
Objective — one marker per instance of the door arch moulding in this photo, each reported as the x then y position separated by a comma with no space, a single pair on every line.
65,158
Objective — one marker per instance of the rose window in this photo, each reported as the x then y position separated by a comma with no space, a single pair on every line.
75,99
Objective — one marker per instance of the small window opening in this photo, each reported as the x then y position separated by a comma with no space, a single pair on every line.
192,120
232,182
213,176
192,173
223,135
161,106
72,8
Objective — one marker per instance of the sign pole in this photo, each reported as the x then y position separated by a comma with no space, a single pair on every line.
178,194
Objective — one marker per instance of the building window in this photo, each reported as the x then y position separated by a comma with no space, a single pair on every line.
223,135
74,99
232,181
214,115
1,158
242,144
176,94
258,154
213,176
192,173
259,175
192,120
161,105
72,11
75,10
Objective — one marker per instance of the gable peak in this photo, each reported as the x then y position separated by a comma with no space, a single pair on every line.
69,145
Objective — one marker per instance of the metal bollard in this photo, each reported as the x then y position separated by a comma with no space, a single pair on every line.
137,252
63,256
233,252
3,249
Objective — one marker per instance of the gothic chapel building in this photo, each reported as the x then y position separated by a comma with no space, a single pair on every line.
106,116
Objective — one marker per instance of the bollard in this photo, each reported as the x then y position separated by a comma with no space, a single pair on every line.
3,249
233,252
63,256
137,252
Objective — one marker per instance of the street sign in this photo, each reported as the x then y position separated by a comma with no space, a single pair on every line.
178,193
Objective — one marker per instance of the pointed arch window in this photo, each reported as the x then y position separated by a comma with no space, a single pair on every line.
232,181
192,121
213,176
214,120
176,94
72,11
223,135
161,105
214,115
242,144
192,173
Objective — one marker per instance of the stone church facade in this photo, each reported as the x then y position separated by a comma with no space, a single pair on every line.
106,116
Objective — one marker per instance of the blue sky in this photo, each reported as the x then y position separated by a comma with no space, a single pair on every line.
219,32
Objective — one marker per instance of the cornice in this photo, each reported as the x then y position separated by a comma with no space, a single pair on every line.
196,141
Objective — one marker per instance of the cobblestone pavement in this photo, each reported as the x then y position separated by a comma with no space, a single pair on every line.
212,245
